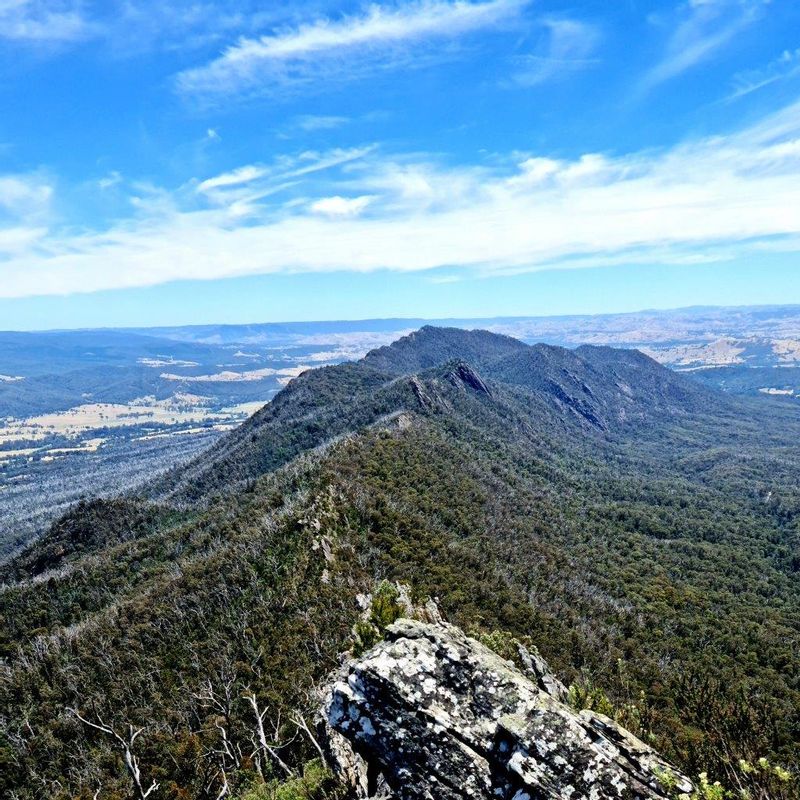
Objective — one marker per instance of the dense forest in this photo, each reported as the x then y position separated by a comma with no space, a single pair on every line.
637,527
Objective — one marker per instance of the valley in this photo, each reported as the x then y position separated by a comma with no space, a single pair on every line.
638,527
96,412
76,405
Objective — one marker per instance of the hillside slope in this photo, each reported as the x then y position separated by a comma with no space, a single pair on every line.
640,530
598,387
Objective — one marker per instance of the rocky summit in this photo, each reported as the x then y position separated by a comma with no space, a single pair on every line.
431,714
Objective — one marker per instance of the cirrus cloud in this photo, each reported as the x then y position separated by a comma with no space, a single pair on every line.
786,66
703,29
696,202
43,21
569,45
300,55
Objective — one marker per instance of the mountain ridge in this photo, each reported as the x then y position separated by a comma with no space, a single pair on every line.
358,393
654,562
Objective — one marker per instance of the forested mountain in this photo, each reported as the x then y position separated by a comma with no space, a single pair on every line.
101,411
640,529
594,386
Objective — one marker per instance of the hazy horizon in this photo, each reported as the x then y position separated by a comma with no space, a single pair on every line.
415,320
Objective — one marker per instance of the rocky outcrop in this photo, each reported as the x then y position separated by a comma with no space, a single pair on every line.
463,376
430,714
423,397
432,395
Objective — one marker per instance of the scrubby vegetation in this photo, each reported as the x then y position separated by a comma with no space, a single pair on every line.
647,546
315,783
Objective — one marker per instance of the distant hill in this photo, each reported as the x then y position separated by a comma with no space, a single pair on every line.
638,528
596,387
223,372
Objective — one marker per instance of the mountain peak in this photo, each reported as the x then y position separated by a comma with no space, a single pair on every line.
596,388
432,346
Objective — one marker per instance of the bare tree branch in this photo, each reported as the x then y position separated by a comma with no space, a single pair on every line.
299,720
125,745
263,744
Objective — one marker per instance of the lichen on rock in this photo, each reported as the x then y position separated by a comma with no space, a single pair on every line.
431,714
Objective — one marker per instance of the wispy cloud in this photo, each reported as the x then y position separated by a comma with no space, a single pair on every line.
786,66
135,26
24,196
568,46
24,210
316,122
338,206
325,123
43,21
236,177
111,180
239,188
704,28
130,27
697,202
298,55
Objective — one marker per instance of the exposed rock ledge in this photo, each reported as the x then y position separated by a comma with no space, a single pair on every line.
430,714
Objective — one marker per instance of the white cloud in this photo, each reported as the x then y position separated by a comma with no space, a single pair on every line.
24,196
240,188
234,178
314,51
130,27
700,201
133,27
110,181
705,27
568,46
312,161
338,206
786,66
24,208
19,240
43,21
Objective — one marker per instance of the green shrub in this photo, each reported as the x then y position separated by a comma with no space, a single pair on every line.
384,610
385,607
586,696
504,643
365,635
316,783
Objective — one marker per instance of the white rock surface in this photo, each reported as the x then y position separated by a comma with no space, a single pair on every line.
430,714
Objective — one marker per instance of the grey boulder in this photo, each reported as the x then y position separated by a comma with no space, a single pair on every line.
431,714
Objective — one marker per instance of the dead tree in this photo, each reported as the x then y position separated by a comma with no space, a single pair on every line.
125,745
300,721
228,754
263,745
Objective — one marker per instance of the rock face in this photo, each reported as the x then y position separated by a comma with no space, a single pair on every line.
430,714
464,376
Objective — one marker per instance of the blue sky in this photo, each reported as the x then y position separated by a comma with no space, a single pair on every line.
241,161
